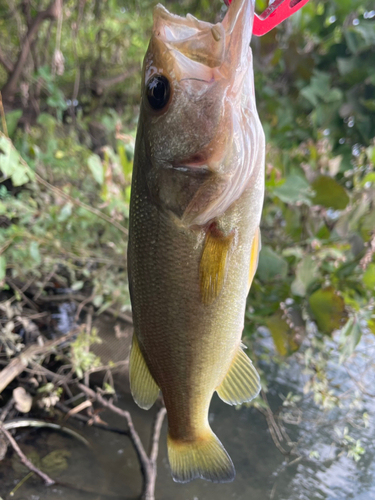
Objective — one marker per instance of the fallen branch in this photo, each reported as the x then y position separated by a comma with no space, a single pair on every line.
48,481
89,420
147,463
18,364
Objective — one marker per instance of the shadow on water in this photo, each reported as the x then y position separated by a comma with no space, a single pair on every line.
109,468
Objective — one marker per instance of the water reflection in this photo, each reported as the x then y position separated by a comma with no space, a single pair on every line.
110,468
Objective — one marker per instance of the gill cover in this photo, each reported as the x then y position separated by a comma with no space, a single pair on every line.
211,123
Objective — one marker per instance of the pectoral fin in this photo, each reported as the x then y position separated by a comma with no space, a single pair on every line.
213,264
254,256
241,384
142,385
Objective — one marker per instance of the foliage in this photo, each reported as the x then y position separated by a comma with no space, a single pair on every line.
65,184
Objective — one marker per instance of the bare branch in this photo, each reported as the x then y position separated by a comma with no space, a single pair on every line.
101,84
148,464
133,435
18,364
156,434
24,459
51,13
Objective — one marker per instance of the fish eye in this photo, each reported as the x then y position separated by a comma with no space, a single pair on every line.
158,91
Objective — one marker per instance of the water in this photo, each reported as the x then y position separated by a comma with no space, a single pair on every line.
109,468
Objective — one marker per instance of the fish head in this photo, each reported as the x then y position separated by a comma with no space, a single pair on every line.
194,80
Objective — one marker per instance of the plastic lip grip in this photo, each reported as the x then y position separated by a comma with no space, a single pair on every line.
275,14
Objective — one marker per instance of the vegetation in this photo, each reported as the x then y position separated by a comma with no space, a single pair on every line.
69,74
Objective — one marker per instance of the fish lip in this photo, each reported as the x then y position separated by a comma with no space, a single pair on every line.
191,168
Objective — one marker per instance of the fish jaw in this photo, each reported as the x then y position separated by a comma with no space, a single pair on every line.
238,26
210,123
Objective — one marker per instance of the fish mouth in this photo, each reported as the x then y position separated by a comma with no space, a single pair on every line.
210,45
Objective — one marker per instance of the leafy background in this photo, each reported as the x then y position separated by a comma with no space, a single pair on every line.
66,167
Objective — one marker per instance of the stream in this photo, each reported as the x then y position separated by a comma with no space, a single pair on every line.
109,467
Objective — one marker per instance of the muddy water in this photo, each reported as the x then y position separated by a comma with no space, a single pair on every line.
109,468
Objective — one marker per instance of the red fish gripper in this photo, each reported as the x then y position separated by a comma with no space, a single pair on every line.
274,14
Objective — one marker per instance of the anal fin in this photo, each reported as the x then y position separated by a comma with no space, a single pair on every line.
254,256
213,265
142,385
242,383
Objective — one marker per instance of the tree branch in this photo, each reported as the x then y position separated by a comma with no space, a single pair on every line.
99,85
52,12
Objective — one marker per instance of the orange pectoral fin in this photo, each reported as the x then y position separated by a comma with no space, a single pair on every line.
254,256
213,265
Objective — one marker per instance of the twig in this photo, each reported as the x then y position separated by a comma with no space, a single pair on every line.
21,292
51,12
45,281
82,304
365,261
134,437
88,420
48,481
6,409
6,245
3,120
156,434
79,203
272,426
18,364
150,480
87,337
147,464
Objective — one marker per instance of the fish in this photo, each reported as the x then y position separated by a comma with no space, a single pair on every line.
194,238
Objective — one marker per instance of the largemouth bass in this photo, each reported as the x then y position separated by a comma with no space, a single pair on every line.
197,195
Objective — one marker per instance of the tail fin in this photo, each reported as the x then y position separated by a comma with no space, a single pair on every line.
205,458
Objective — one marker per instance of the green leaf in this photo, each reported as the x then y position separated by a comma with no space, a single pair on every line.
329,193
369,277
281,334
11,163
65,212
328,309
34,252
295,189
95,165
271,265
368,178
78,285
12,120
306,274
127,166
350,336
3,267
